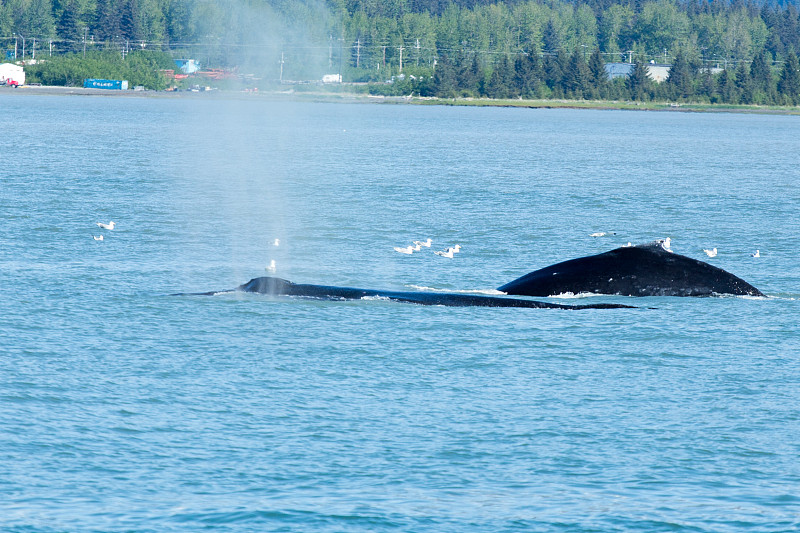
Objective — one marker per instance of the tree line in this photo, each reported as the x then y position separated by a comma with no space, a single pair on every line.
711,30
733,51
571,76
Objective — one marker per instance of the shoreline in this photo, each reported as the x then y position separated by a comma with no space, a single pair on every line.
351,97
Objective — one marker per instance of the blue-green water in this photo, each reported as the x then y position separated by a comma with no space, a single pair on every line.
123,408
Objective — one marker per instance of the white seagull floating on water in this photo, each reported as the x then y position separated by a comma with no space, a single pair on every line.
407,250
100,238
426,244
711,253
757,254
110,225
449,252
271,267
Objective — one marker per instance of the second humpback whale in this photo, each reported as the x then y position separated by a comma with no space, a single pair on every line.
643,270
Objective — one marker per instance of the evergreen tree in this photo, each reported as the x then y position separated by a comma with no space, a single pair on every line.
788,29
761,72
38,19
523,77
744,84
69,26
109,20
679,82
554,66
128,26
529,75
551,42
5,20
598,77
771,18
537,70
575,81
789,82
708,87
468,73
726,88
639,83
501,82
444,78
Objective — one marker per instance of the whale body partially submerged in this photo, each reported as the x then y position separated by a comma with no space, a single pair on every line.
643,270
281,287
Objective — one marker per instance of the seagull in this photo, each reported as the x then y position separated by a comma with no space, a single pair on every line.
627,245
757,254
110,225
100,238
271,267
426,244
456,248
276,242
711,253
407,250
665,244
449,253
598,234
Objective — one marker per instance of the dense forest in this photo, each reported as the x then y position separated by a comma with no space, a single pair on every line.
720,51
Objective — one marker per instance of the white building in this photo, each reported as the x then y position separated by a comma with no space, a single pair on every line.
10,71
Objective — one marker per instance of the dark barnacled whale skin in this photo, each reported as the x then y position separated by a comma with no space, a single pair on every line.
282,287
644,270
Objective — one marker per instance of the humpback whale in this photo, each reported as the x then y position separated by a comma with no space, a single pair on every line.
642,270
281,287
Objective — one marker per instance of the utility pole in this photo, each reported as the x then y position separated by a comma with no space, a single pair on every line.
341,57
33,56
384,57
51,47
15,47
85,29
330,52
281,76
417,52
401,58
358,52
630,56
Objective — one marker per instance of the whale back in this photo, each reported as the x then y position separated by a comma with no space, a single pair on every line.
643,270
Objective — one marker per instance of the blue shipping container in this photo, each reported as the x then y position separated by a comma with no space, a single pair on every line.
105,84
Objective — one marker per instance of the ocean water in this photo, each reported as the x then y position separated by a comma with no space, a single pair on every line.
124,408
